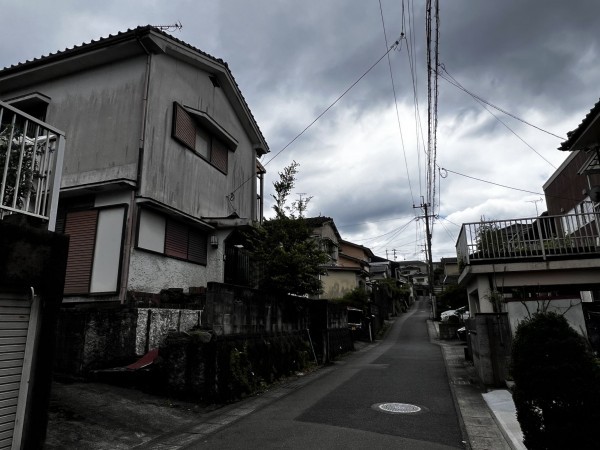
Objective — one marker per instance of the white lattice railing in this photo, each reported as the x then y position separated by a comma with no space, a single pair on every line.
31,157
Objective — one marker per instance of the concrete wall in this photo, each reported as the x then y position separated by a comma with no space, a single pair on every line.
571,309
490,344
337,283
233,309
177,176
90,338
153,325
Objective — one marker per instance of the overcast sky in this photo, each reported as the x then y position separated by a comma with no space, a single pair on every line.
537,59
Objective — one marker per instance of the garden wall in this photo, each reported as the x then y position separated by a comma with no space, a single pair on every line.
201,365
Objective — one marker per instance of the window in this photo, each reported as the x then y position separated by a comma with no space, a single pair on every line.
34,104
95,246
200,133
169,237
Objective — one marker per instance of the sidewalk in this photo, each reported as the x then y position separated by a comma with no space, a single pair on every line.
487,418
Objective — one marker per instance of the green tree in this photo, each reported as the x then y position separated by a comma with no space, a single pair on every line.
454,296
10,153
557,384
287,260
491,240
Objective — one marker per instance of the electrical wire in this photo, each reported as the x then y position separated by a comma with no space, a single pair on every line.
394,45
511,130
396,97
456,84
505,186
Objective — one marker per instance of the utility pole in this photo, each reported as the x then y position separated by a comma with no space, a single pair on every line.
424,206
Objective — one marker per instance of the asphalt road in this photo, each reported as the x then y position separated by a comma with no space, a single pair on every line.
340,410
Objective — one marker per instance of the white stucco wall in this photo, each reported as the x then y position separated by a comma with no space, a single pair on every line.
571,308
149,272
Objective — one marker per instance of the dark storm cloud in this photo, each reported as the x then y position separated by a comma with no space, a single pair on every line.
537,59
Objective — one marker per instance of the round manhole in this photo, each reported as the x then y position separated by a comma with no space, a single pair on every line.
398,408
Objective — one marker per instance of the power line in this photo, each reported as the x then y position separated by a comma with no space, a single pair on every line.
510,129
394,45
396,98
456,84
505,186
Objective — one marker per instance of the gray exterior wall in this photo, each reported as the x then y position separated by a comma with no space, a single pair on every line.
175,175
100,111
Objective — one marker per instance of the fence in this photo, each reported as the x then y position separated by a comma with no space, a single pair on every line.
31,157
540,237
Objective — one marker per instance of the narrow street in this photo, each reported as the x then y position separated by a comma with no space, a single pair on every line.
341,409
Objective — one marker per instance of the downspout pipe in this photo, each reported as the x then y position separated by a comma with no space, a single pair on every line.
133,211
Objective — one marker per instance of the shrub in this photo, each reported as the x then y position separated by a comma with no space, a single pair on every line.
557,392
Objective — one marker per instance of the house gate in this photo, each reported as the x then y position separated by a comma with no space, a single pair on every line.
18,328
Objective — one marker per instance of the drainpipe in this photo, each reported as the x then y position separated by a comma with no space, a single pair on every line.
133,211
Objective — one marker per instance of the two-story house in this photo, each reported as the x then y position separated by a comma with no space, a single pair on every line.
351,271
160,165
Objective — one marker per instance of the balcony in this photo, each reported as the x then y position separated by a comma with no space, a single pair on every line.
31,157
530,239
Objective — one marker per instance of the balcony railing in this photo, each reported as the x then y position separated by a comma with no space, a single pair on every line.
31,157
540,238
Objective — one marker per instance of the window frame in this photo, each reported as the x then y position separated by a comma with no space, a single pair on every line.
219,142
190,231
98,210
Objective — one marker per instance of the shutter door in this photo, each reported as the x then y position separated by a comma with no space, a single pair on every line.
81,227
176,240
219,155
184,128
14,324
197,247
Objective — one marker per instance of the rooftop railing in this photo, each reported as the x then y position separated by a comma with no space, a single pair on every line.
31,158
540,238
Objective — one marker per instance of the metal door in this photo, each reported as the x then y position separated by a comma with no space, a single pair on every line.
18,328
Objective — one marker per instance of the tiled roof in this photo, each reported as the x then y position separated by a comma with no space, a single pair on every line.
317,221
114,38
102,42
572,136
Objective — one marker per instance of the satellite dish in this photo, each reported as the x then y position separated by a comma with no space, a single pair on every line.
595,194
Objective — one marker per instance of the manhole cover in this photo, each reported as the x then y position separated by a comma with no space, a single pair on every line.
398,408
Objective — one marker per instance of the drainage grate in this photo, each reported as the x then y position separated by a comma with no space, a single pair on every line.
397,408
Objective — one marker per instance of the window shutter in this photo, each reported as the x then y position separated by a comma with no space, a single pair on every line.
184,128
176,240
81,227
219,155
197,247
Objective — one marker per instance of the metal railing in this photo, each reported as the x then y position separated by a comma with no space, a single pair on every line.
538,238
31,158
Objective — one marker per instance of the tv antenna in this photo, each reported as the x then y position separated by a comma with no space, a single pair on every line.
176,26
537,214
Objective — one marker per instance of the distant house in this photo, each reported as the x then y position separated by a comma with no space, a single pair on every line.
161,163
352,271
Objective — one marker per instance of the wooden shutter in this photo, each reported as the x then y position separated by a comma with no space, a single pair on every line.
219,155
176,239
81,227
197,247
184,128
